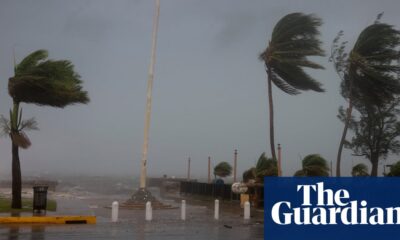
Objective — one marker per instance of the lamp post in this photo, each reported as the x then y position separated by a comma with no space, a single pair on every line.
234,165
150,79
142,195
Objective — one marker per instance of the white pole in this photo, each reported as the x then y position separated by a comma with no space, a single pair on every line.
183,210
216,210
149,211
114,211
143,171
246,210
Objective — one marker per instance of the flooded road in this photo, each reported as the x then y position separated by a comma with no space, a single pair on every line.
166,224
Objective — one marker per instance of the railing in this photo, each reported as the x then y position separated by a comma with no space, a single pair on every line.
221,191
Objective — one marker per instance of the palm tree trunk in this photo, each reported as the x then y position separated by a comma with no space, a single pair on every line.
346,127
16,166
16,178
271,117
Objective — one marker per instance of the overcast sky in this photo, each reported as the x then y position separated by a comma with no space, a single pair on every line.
209,93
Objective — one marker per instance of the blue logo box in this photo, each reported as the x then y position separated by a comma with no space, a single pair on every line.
331,208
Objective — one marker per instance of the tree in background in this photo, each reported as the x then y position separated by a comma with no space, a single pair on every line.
264,167
376,132
249,174
223,169
313,165
394,170
43,82
360,170
368,71
294,38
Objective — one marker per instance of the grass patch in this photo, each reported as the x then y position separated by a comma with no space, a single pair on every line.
5,205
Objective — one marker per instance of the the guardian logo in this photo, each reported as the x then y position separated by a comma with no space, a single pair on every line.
330,208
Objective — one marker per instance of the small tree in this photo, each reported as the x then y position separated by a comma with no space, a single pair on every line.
223,169
313,166
375,132
360,170
394,170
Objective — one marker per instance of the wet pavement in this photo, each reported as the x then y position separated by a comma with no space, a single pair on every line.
166,224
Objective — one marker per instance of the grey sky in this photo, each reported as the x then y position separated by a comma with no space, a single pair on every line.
209,92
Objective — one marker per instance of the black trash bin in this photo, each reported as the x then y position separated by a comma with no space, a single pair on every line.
39,199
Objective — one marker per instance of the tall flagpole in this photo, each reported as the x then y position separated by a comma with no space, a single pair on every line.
150,78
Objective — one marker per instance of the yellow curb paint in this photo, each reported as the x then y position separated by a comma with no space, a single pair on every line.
50,219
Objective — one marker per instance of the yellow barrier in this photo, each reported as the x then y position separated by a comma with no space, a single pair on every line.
50,219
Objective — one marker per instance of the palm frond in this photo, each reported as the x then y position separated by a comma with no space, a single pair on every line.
5,126
49,82
29,124
294,38
30,61
296,77
372,69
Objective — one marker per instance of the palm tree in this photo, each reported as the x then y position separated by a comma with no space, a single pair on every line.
249,174
294,38
223,169
266,167
360,170
313,165
43,82
368,72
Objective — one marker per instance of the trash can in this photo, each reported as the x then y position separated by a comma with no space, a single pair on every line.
39,199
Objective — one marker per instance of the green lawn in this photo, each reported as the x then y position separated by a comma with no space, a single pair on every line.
5,205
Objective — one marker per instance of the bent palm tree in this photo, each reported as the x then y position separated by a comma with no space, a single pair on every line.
43,82
368,73
266,167
294,38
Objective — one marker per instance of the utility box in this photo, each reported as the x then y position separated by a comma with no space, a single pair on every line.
39,199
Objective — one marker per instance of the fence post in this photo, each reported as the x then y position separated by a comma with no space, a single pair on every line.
216,210
149,212
114,211
246,210
183,210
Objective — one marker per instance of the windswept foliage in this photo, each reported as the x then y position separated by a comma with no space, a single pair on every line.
42,81
394,170
293,40
313,165
223,169
360,170
266,167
